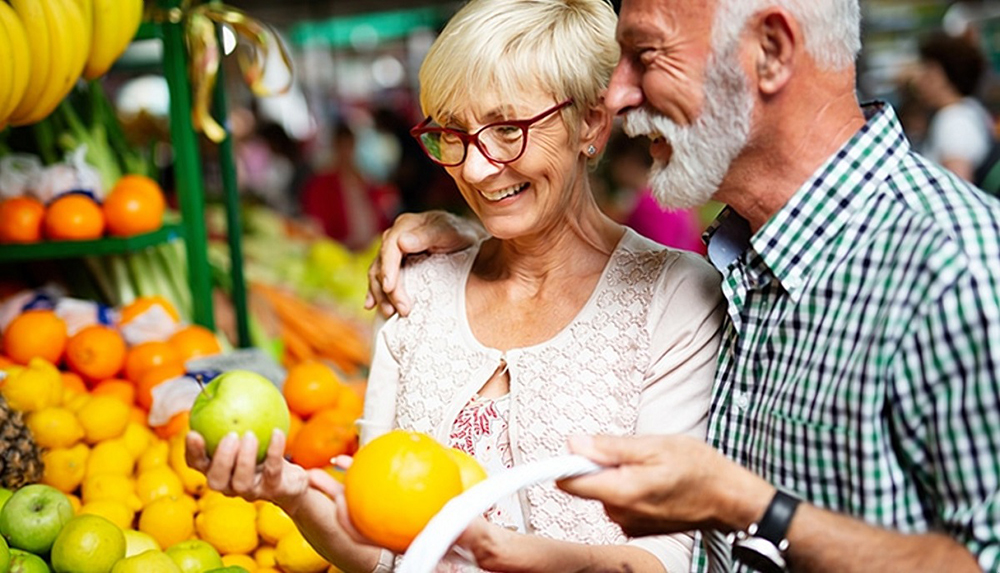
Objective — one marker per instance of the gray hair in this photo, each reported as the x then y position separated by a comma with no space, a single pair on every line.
563,47
832,28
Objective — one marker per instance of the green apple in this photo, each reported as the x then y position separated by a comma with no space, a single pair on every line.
137,542
4,496
239,401
151,561
24,562
4,555
87,544
228,569
195,555
32,517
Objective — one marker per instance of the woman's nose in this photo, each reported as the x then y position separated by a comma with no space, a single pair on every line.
478,167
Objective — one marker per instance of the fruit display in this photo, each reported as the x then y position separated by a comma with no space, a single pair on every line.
52,44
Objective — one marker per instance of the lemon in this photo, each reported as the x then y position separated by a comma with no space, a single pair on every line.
293,554
65,468
113,510
103,418
137,438
168,520
160,481
229,526
272,522
236,560
264,556
34,387
55,427
110,457
156,454
110,486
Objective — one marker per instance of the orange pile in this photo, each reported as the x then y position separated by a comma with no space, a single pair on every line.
323,413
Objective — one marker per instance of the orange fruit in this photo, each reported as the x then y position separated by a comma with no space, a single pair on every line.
318,440
21,220
121,389
395,485
96,352
295,424
72,382
147,355
153,378
178,424
311,386
134,205
74,217
34,333
193,341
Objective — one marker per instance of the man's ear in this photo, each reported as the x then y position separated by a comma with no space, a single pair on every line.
596,128
779,41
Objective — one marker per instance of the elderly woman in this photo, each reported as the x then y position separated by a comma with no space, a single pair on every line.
562,322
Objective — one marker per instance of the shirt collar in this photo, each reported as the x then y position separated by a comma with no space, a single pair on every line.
792,240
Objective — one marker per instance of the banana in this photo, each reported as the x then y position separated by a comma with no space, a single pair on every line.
106,38
20,58
195,482
87,30
62,59
6,72
132,11
36,29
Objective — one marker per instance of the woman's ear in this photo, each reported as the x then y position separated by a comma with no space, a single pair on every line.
778,41
596,129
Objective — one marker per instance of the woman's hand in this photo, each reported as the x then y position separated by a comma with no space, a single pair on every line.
233,469
411,233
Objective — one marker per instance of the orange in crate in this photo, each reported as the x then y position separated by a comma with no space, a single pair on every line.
96,352
321,438
193,341
311,386
178,424
396,484
121,389
147,355
74,217
21,220
34,333
153,378
134,205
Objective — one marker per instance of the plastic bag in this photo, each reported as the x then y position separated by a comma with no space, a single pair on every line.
44,298
177,395
152,324
79,314
19,172
74,174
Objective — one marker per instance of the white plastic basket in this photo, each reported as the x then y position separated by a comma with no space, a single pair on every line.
431,545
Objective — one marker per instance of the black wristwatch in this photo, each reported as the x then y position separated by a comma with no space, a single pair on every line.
762,546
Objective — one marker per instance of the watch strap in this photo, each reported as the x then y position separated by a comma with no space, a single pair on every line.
774,525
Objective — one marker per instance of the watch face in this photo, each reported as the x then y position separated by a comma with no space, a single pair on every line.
759,554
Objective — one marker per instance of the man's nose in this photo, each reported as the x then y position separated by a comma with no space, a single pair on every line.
625,89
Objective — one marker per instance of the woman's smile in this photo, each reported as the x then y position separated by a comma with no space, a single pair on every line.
506,192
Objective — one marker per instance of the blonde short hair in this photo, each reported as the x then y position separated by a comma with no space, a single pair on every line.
565,48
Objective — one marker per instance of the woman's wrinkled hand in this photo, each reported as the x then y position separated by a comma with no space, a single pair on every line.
233,469
411,233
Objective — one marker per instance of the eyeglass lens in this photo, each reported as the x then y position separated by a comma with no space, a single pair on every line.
501,143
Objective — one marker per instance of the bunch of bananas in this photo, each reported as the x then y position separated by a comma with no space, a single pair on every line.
45,46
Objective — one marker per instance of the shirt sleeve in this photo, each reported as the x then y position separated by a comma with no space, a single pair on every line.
946,402
685,328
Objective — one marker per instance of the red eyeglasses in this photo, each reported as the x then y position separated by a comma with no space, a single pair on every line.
501,141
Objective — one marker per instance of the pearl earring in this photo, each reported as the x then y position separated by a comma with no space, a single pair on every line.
591,150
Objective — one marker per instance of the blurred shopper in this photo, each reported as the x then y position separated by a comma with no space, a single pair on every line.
562,322
961,131
856,408
350,208
628,166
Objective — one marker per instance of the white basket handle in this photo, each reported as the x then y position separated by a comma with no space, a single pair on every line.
431,545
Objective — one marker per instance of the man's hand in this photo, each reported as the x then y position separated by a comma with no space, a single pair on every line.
666,484
411,233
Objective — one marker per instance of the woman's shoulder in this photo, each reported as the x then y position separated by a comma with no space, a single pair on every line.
671,264
426,274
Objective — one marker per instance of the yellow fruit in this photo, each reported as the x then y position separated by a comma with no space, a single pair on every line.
272,522
469,468
110,486
160,481
169,520
244,561
195,482
136,542
264,556
110,457
294,555
210,498
111,509
75,502
103,418
75,401
137,438
157,454
34,387
55,427
65,468
148,561
229,527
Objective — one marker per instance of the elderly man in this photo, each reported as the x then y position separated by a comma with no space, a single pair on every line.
856,409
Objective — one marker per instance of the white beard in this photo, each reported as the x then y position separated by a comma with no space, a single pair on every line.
704,150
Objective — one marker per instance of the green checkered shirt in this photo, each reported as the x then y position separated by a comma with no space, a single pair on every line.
860,367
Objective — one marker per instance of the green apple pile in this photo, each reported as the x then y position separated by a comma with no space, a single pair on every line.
39,533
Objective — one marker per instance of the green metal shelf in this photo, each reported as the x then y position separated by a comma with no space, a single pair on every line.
96,247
